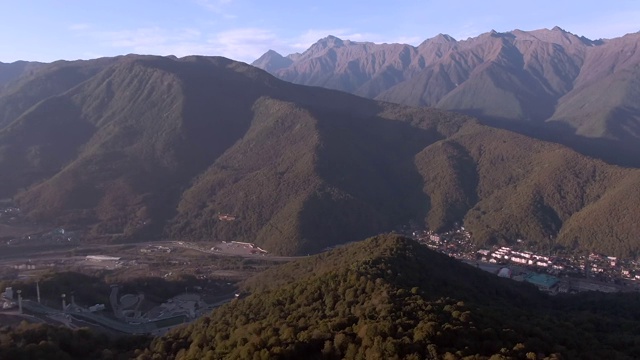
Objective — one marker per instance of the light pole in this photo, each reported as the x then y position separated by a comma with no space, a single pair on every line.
20,300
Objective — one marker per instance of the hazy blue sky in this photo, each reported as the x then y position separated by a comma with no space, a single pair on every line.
48,30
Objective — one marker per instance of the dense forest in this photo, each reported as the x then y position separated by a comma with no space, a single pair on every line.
41,341
391,298
138,148
387,297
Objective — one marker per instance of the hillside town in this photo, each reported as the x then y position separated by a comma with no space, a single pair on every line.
557,273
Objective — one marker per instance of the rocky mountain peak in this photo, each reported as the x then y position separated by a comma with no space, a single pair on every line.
443,39
325,43
272,61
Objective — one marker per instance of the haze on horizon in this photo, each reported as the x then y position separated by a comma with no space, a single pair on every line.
244,29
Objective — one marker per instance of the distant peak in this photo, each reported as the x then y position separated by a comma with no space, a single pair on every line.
443,38
331,40
558,28
439,39
490,34
270,55
272,61
273,53
325,43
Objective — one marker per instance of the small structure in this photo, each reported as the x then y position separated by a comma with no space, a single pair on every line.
505,273
241,295
96,307
8,293
101,258
7,304
544,282
128,300
20,300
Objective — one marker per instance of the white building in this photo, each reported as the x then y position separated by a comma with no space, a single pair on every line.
96,307
102,258
8,293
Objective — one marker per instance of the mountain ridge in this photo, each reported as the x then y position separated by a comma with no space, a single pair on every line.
542,83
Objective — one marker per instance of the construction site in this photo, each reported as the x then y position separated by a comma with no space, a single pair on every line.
129,288
125,313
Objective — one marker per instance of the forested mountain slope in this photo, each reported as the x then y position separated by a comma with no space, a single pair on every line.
147,147
391,298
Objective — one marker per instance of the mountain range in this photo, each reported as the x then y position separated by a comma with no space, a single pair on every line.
550,84
205,148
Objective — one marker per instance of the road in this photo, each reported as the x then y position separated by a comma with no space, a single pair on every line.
196,247
69,319
66,253
488,267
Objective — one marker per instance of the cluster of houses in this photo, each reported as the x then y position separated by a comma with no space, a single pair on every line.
518,257
456,243
9,211
601,267
55,236
9,214
597,267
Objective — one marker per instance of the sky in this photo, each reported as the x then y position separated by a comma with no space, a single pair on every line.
49,30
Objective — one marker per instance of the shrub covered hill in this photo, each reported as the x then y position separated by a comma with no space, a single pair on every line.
391,298
142,147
